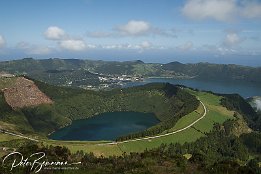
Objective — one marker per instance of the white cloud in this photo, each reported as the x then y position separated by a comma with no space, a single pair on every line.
252,9
120,46
141,46
258,104
99,34
54,33
73,44
145,45
232,39
219,49
91,46
230,44
23,45
223,50
2,41
40,50
186,46
134,27
221,10
161,32
34,49
64,40
113,46
209,47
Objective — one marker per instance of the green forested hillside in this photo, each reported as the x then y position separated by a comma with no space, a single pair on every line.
208,71
13,117
237,103
167,101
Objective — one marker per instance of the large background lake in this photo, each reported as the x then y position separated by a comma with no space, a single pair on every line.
245,89
106,126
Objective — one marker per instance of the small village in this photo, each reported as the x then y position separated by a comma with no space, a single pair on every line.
107,82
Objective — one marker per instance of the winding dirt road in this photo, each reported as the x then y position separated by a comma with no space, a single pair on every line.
17,135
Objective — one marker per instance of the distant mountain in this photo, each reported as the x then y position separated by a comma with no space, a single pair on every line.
177,66
209,71
78,72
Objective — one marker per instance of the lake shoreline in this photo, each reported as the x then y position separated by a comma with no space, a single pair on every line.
123,123
246,89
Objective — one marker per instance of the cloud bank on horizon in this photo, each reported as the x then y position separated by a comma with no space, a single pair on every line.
168,28
257,103
222,10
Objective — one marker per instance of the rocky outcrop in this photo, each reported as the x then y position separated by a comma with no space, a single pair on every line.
24,93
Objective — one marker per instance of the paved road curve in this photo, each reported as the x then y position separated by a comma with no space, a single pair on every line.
163,135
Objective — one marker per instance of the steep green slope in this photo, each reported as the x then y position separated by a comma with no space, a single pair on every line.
16,118
237,103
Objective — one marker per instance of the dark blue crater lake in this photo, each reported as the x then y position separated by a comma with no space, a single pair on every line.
245,89
106,126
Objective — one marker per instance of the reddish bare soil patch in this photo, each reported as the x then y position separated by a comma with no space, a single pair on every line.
24,93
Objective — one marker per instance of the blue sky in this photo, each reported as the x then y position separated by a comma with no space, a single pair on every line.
219,31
